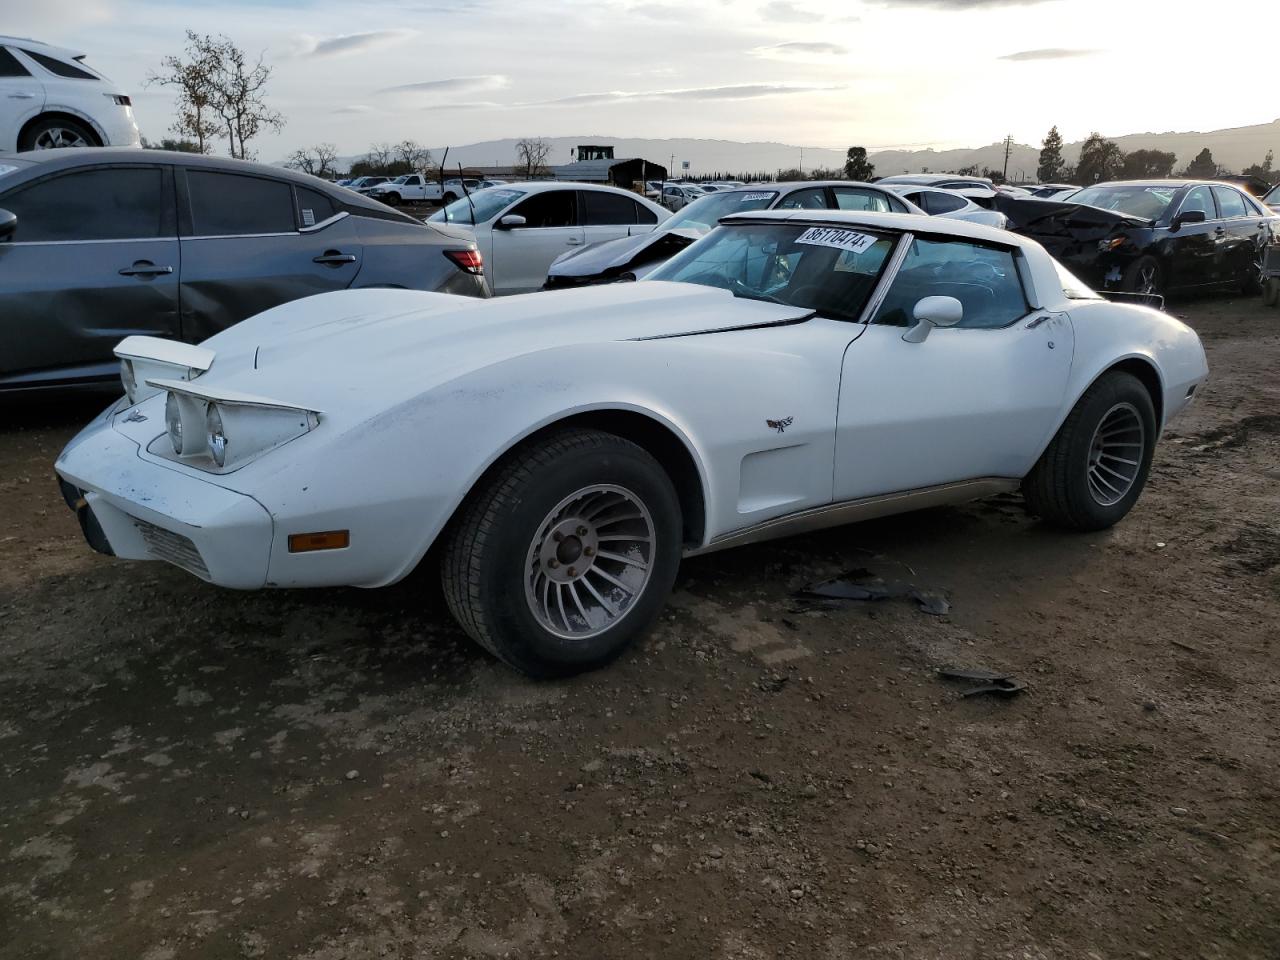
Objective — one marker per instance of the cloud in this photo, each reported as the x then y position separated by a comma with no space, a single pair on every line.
784,11
659,11
1048,53
355,108
353,42
743,91
961,4
473,105
801,48
451,85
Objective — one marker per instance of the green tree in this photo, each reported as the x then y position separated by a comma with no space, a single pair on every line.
168,143
1264,170
1100,159
1148,165
1051,163
1203,167
856,165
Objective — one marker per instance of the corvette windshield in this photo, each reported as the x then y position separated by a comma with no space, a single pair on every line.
482,206
705,212
831,269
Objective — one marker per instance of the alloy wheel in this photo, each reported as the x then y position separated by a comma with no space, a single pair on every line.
589,562
56,137
1115,454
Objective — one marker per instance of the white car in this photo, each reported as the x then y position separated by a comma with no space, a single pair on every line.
50,98
947,203
522,227
677,196
790,371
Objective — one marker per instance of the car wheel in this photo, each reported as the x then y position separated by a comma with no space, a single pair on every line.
55,132
1251,284
1096,466
448,198
1144,276
566,554
1271,291
392,198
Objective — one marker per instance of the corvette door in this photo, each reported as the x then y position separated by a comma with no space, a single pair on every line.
522,255
251,243
979,399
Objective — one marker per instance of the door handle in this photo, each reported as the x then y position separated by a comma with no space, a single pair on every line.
334,258
22,96
144,268
575,242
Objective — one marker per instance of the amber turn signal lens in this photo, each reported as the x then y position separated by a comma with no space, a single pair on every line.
329,540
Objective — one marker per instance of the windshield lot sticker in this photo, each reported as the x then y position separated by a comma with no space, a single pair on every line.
849,240
748,197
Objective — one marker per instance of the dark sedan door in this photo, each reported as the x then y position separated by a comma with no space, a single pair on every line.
94,259
1194,249
250,243
1244,234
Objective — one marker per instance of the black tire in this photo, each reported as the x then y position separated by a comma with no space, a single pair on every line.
1144,275
391,198
1271,291
448,198
486,571
1252,283
49,132
1060,488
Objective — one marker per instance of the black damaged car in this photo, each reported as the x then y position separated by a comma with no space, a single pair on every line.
1152,237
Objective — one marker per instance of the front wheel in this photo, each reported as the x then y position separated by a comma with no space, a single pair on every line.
566,555
1096,466
391,198
1144,276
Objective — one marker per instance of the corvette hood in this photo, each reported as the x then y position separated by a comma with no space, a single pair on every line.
357,346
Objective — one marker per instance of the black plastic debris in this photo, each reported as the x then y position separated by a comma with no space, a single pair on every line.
862,584
989,681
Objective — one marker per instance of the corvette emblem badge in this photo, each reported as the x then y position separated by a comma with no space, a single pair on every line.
780,425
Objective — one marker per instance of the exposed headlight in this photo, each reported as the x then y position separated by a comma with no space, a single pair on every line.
217,436
173,422
128,380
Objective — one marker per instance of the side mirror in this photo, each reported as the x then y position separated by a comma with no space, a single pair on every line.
510,221
1190,216
933,312
8,224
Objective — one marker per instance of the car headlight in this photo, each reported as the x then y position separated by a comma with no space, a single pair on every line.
128,380
217,436
153,358
223,435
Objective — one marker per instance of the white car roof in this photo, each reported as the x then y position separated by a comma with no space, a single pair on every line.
61,53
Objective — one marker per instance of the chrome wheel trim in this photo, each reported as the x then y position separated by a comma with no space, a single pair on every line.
1115,454
56,137
590,560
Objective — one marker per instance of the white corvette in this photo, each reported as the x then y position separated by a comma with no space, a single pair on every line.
789,371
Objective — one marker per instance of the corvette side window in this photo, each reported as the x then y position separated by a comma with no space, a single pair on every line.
984,279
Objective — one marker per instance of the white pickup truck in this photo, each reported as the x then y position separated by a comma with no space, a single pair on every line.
415,187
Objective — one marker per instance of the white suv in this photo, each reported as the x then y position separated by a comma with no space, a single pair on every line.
49,98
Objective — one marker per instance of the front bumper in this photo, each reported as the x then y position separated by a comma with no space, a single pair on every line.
142,510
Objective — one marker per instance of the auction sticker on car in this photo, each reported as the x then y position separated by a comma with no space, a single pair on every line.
748,197
849,240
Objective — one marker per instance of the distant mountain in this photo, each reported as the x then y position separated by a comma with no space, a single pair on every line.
1234,148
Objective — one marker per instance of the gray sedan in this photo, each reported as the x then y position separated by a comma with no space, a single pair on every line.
99,244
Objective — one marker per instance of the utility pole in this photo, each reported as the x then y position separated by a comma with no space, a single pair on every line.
1008,146
802,163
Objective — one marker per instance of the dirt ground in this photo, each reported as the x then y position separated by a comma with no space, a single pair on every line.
191,772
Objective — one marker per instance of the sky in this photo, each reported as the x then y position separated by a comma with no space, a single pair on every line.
880,73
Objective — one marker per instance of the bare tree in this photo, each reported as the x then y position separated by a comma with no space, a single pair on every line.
194,80
379,155
240,88
319,160
531,156
415,157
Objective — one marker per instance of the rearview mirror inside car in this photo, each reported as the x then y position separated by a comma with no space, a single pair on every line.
8,224
1189,216
512,220
933,312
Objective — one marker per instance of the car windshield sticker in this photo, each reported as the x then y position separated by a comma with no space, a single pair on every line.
849,240
308,217
748,197
6,168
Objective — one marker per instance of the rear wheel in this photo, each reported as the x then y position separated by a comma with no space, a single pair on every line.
1252,283
1096,466
566,554
1144,276
448,198
53,132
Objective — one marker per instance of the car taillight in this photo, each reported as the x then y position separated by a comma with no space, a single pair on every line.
468,260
